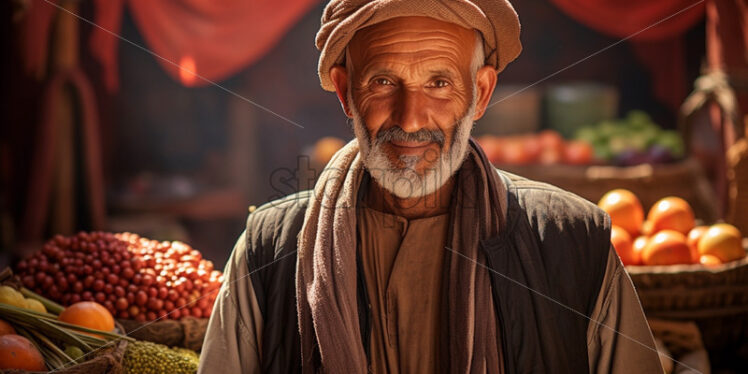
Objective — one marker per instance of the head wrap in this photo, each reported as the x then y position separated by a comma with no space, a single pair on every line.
495,19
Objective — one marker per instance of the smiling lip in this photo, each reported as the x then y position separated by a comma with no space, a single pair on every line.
409,144
410,148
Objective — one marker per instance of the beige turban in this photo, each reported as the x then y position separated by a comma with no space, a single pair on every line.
495,19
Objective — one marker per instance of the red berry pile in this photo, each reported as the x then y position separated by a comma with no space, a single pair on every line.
134,277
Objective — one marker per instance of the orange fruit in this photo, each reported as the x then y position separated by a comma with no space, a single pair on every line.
551,140
693,240
647,229
531,143
578,153
492,148
639,244
326,147
88,314
624,209
667,247
671,213
552,147
623,245
709,260
6,328
17,352
723,241
514,152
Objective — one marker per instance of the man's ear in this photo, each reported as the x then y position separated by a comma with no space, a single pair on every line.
339,76
485,82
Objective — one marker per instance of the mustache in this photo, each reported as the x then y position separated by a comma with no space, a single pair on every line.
395,133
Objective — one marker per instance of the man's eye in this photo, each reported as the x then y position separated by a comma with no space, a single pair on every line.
440,83
383,82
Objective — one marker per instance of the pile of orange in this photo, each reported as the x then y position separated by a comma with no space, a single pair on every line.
17,352
668,235
88,314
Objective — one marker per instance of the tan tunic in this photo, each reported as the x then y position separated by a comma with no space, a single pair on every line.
402,261
232,342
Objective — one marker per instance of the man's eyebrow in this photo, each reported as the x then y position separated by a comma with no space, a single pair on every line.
377,71
442,73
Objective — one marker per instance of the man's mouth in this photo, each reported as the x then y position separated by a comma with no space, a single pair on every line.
410,148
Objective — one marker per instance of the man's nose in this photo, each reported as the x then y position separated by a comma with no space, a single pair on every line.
411,111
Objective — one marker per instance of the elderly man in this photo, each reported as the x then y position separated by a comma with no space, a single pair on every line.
413,254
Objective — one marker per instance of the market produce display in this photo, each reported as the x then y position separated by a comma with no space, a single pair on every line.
669,234
132,277
17,352
82,337
151,358
634,139
10,296
546,147
34,340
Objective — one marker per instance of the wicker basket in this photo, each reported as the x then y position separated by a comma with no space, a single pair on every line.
188,332
684,347
715,298
106,361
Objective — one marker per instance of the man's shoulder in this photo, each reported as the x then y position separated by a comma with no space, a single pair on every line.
277,212
272,228
547,203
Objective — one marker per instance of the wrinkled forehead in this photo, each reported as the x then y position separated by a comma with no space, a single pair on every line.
409,41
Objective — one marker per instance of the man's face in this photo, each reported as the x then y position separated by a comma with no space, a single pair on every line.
412,100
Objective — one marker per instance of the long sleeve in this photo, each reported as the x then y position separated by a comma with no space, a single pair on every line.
618,337
232,341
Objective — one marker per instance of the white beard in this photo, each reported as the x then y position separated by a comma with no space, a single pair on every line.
404,181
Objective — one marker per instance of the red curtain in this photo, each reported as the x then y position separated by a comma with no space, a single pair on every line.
655,28
193,40
622,18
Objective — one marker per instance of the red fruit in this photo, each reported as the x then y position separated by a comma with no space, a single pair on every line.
141,298
155,304
196,312
133,310
128,273
578,153
17,352
121,304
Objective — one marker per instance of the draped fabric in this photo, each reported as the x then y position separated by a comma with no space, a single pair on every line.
195,41
648,20
655,30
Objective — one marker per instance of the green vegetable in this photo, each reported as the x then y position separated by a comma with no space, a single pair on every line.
74,352
150,358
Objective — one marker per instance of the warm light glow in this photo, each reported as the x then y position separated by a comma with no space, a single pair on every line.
187,70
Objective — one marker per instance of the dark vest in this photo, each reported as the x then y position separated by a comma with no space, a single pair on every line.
546,270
